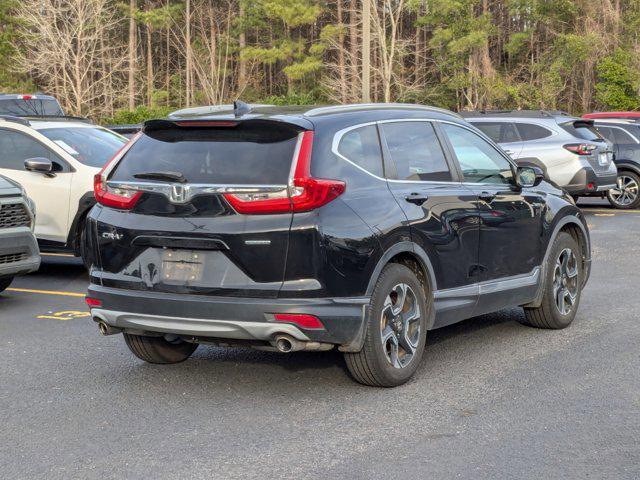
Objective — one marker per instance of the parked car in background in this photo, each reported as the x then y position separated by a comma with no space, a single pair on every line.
569,150
19,252
26,105
359,227
127,131
618,115
55,160
625,135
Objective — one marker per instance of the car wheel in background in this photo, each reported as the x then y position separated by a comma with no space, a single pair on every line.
562,287
627,194
85,253
396,328
5,282
158,349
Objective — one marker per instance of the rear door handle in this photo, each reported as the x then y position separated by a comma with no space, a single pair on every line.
487,197
416,198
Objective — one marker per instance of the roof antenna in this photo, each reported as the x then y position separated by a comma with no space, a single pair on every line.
240,108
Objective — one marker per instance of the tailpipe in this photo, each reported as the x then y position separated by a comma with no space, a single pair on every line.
286,344
106,329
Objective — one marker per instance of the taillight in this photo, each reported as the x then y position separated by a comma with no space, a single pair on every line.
114,197
304,193
580,148
300,319
92,302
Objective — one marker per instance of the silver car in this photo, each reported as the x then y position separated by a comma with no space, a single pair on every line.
570,150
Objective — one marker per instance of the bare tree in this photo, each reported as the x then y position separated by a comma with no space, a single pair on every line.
72,51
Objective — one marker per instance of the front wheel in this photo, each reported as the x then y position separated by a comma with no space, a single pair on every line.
626,194
159,349
562,287
396,328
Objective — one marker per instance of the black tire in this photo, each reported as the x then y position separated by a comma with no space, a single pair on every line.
85,252
158,349
618,200
548,314
5,282
373,365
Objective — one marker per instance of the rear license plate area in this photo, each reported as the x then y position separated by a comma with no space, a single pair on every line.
181,266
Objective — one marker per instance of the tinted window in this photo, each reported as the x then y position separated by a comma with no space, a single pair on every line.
89,145
607,133
479,161
529,131
362,147
16,147
251,153
499,132
616,135
416,151
583,130
32,107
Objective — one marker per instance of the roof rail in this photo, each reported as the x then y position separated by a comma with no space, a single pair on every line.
516,113
14,119
45,118
373,106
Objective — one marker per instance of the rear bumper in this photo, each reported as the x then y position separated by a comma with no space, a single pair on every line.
587,176
230,317
19,252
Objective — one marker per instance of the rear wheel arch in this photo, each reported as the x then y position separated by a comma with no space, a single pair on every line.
416,259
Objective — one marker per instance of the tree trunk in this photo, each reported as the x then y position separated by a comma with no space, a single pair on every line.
149,69
242,63
341,67
353,45
132,54
187,41
366,51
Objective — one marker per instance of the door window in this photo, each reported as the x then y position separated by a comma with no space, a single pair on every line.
479,161
416,151
499,132
362,147
16,147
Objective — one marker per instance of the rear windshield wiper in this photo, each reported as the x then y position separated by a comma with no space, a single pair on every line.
162,176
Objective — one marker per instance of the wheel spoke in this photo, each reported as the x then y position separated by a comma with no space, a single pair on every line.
393,353
406,344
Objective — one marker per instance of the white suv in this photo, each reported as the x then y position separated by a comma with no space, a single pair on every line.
55,160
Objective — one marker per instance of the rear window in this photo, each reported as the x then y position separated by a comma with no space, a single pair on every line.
252,153
583,130
32,107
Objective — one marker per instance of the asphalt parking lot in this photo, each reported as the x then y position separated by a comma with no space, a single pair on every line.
492,399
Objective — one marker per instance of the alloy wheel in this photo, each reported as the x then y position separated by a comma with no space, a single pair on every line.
626,191
565,281
400,325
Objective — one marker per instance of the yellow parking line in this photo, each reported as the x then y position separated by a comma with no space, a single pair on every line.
58,255
46,292
609,210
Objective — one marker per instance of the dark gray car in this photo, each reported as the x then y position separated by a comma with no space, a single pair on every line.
19,252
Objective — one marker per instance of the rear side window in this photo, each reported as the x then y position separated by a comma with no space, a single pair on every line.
499,132
529,131
616,135
362,147
416,151
251,153
31,107
583,130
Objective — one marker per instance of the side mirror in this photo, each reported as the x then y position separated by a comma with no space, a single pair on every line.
529,176
39,164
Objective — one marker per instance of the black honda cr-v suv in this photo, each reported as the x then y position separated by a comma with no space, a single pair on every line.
358,227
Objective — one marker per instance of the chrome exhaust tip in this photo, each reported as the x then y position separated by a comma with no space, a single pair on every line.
106,329
284,343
